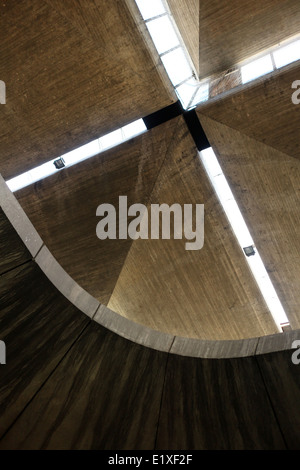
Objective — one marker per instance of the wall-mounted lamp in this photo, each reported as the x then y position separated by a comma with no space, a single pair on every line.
249,250
59,163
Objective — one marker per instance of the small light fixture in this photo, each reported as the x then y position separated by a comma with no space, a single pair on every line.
59,163
285,327
249,250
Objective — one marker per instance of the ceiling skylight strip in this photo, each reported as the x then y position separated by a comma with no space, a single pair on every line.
78,155
273,59
170,48
239,227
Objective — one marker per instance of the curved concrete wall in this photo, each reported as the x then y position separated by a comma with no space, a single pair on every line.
115,322
79,376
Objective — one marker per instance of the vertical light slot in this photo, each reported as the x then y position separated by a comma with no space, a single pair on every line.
257,68
287,54
240,229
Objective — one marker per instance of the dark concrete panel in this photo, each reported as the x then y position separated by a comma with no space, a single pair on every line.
216,405
282,379
12,250
38,326
104,395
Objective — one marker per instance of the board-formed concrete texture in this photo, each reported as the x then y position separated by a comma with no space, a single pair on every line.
220,33
74,71
139,344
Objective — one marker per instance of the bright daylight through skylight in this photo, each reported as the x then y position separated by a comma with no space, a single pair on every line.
257,68
287,54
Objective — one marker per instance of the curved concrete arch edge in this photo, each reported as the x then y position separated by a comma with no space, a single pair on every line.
137,333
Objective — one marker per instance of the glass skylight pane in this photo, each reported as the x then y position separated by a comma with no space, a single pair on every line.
287,54
210,162
42,171
111,139
133,129
225,195
177,66
163,34
222,187
257,68
186,91
202,94
150,8
79,154
237,223
19,182
228,202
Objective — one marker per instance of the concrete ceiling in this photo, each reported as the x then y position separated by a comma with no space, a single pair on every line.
73,196
77,70
74,71
263,111
208,293
220,33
